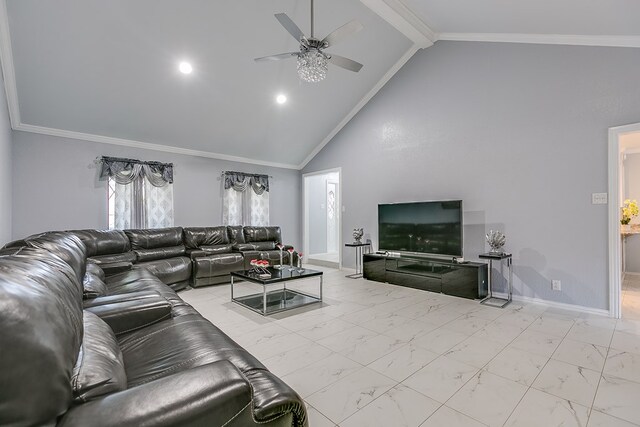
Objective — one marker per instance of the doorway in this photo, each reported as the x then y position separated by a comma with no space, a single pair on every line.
323,218
624,250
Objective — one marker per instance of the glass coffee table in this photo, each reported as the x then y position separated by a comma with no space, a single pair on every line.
279,298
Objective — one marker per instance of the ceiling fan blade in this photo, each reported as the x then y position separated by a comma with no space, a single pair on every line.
290,26
277,57
346,63
342,32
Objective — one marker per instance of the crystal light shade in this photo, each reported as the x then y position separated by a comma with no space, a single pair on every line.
312,66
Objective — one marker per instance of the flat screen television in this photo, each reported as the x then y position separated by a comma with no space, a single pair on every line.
433,228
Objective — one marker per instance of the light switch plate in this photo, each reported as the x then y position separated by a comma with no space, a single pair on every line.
599,199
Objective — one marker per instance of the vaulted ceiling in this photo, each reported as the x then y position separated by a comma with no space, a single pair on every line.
108,71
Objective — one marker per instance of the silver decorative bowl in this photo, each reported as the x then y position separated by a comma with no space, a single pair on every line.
496,241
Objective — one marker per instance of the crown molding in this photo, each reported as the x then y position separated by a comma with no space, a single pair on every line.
146,145
404,20
558,39
8,70
365,99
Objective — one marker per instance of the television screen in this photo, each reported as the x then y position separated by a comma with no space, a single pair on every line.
424,227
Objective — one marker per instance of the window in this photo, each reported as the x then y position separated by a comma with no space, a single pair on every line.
139,194
245,199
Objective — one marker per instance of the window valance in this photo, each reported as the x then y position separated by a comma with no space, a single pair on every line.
125,171
240,181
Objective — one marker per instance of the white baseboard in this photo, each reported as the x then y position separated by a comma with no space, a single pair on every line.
561,305
630,273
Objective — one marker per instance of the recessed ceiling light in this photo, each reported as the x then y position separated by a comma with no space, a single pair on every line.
281,99
185,68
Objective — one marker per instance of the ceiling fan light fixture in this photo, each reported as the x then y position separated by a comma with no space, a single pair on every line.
312,66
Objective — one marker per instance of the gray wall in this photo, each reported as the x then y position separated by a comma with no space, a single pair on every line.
317,198
5,167
519,132
632,191
57,187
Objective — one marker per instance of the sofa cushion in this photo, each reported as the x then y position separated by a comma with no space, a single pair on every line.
195,237
143,255
93,286
170,270
217,265
99,369
262,234
113,258
154,237
176,345
41,324
235,233
103,242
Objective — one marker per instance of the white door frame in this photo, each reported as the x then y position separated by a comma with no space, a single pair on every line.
615,252
305,210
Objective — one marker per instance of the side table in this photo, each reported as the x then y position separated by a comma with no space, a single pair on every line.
359,251
502,258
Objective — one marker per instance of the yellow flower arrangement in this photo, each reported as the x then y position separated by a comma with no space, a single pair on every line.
629,210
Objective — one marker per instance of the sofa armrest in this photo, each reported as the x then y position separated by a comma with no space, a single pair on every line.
115,267
196,253
111,299
127,316
211,394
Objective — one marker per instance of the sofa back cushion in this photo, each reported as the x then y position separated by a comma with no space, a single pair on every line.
196,237
41,324
99,369
155,238
65,245
235,234
159,253
262,234
103,242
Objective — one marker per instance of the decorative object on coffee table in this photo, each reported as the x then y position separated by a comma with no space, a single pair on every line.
496,241
300,269
260,268
290,250
280,247
357,235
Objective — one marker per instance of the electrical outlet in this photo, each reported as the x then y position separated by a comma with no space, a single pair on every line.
599,199
556,285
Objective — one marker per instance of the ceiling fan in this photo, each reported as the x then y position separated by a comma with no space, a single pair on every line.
312,60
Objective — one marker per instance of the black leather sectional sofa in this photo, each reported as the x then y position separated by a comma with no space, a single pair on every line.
85,346
196,256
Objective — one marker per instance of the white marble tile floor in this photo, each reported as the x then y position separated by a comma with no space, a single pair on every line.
375,354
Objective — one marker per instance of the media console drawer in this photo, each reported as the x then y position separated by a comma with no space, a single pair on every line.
468,280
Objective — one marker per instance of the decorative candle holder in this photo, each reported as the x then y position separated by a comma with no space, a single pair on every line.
290,258
300,268
281,248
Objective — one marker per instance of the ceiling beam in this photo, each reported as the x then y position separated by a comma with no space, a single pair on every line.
404,20
559,39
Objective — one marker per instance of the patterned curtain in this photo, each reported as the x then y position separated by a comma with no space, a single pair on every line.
140,193
245,199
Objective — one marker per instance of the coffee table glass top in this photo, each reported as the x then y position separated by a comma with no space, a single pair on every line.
277,276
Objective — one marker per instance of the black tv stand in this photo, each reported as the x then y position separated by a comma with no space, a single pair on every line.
467,280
